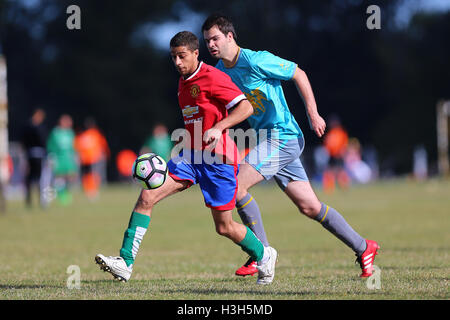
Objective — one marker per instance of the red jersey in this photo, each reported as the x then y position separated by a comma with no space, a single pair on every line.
204,99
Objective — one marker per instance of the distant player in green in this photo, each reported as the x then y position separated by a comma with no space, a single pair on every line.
62,156
280,140
159,142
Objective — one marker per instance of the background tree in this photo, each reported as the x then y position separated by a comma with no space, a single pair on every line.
383,84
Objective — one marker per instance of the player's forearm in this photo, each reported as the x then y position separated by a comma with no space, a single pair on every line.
316,122
242,111
305,90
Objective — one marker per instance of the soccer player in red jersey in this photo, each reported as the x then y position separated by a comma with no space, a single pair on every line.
209,157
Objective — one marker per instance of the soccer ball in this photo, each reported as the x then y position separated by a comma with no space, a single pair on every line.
150,171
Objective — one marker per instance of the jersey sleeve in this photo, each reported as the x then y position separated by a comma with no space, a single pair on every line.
225,91
271,66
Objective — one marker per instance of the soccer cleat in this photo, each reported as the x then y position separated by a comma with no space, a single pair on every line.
367,258
114,265
248,269
266,271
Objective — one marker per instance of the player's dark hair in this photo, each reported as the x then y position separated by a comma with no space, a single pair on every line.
185,39
222,22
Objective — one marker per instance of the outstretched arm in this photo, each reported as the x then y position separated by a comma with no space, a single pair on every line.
316,122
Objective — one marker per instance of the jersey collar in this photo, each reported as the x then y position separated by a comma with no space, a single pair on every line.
195,72
235,59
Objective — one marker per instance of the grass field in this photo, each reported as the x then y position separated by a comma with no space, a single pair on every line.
182,257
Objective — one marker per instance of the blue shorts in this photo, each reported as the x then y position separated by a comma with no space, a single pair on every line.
218,182
279,159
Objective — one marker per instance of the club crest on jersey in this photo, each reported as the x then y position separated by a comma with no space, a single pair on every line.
195,90
256,97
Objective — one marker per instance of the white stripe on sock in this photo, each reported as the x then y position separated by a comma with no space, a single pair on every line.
138,236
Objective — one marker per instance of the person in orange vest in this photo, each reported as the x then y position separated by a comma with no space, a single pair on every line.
93,151
124,163
335,142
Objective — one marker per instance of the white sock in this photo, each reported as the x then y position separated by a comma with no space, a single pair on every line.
265,257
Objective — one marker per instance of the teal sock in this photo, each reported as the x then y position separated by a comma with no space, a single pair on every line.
137,226
252,245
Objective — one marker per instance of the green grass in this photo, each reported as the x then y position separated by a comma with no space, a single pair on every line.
182,257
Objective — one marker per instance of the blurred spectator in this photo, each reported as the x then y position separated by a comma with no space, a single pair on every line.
124,161
359,170
33,139
370,156
93,151
335,142
321,159
420,163
159,142
62,155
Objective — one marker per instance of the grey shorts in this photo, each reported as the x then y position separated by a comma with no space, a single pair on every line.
279,159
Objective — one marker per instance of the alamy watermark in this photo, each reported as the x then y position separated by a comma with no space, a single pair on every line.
374,20
74,280
374,281
74,20
192,146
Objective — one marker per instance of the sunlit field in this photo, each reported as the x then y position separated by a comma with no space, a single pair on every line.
181,256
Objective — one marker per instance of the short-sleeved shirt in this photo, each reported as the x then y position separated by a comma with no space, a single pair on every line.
204,99
258,75
60,146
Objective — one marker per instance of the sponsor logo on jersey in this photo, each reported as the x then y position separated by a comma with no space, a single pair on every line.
189,111
193,120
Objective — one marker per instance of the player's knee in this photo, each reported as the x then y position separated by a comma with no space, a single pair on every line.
241,193
309,210
224,230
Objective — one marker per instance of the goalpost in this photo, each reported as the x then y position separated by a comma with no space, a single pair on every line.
442,116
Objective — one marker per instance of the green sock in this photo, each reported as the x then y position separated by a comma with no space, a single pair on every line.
252,245
137,226
65,197
62,192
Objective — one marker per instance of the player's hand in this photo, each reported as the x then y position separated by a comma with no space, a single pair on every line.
318,125
211,137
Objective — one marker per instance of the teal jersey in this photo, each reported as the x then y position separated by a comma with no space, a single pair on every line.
160,144
61,151
258,75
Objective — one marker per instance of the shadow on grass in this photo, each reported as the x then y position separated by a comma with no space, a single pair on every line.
274,294
194,288
28,286
169,289
52,286
414,268
224,291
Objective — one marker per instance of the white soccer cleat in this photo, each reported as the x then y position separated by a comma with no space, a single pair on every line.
116,266
266,271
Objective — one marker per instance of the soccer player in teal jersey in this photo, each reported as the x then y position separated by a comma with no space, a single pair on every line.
280,140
